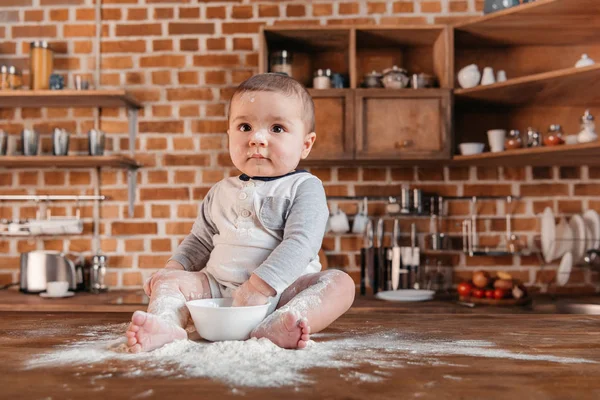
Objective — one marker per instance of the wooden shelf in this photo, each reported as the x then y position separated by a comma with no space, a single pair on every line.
544,22
115,161
563,155
67,98
571,86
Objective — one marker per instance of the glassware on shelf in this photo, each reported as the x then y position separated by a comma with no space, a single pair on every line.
281,62
554,136
588,129
15,78
41,58
513,141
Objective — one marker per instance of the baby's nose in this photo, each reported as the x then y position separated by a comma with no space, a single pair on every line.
259,138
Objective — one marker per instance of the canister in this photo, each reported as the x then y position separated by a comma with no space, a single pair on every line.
41,59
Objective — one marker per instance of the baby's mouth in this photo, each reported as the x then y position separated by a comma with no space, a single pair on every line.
257,156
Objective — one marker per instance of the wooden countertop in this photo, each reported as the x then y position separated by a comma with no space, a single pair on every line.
529,363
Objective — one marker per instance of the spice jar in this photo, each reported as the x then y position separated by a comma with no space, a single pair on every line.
4,83
533,138
15,78
554,136
513,141
281,62
588,129
372,80
321,81
41,59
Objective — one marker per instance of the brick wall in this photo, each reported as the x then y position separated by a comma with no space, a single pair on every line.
181,58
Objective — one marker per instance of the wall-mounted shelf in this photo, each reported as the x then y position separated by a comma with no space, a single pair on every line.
563,155
67,98
574,86
114,161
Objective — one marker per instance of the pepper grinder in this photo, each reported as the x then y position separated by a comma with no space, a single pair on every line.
98,274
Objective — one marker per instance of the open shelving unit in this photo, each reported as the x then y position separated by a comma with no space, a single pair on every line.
537,44
68,98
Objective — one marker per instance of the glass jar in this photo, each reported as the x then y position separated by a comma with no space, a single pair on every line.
4,82
554,136
41,60
321,81
281,62
533,138
513,141
15,78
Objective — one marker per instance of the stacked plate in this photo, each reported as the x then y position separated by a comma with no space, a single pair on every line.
406,295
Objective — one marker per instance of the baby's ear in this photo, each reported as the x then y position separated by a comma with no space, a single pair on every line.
309,140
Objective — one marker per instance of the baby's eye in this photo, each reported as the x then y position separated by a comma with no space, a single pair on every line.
278,129
245,127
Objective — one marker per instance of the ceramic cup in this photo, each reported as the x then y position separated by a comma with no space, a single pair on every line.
361,218
57,288
338,222
496,139
501,76
488,76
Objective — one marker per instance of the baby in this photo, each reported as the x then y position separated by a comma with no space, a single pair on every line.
257,235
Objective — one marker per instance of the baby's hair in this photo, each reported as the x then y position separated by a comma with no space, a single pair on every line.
279,83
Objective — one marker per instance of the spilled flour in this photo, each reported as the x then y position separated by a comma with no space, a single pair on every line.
259,363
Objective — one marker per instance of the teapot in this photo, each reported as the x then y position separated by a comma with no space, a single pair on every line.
395,78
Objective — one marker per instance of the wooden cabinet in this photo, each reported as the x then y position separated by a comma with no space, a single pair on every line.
402,125
333,125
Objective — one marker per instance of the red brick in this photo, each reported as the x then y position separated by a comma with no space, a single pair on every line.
215,43
209,126
545,190
137,14
348,8
188,78
158,177
161,77
123,46
215,110
164,193
19,3
238,76
189,94
133,228
170,61
587,189
376,8
241,27
161,126
191,28
458,6
30,16
541,172
431,7
268,10
322,10
570,172
120,62
570,206
295,10
242,12
8,48
514,173
487,190
185,176
212,142
164,13
139,30
216,12
134,78
33,31
188,44
160,245
403,20
216,60
403,7
430,174
189,12
162,45
156,143
351,21
242,44
189,110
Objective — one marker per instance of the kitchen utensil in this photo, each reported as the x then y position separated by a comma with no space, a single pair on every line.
98,273
216,319
548,234
372,80
554,136
419,81
418,201
592,220
40,267
30,140
501,76
584,61
488,77
406,295
469,76
396,256
60,142
490,6
564,269
496,139
41,64
96,141
395,78
513,141
577,225
405,200
3,142
57,288
361,218
474,238
564,239
470,148
338,221
379,257
366,259
534,139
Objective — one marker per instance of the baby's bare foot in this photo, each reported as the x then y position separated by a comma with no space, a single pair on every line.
148,332
284,329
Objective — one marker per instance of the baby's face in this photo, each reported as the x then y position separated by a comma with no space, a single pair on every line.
267,135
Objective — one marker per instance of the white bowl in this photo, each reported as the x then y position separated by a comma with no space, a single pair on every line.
216,320
468,149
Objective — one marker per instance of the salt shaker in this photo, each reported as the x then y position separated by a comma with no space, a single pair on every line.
98,273
534,139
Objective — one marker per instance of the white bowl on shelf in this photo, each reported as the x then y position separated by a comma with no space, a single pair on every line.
471,148
216,320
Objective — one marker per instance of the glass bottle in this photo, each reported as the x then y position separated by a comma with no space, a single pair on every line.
281,62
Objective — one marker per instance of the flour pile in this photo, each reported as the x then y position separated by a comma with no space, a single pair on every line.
259,363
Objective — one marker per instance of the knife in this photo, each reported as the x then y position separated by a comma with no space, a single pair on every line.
395,255
379,258
366,258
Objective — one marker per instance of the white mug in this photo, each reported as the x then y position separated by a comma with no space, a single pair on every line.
361,218
57,288
338,221
496,139
488,76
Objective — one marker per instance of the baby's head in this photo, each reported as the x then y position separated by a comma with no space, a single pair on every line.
271,125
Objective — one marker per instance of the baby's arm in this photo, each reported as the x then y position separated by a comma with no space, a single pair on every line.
302,238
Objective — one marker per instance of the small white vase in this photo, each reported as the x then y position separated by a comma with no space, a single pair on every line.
488,76
584,61
469,76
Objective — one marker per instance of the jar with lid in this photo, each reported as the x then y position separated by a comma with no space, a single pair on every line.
513,141
534,139
4,81
588,128
554,136
41,59
372,80
281,62
15,78
321,81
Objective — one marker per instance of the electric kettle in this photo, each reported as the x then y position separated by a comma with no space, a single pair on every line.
39,267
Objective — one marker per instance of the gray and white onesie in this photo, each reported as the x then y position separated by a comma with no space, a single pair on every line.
270,226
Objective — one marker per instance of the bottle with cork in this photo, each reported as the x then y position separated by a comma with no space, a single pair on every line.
41,59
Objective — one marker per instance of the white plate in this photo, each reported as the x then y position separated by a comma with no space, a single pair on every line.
564,269
406,295
46,295
578,227
548,231
592,220
563,241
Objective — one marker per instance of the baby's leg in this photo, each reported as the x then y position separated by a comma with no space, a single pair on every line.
167,313
311,303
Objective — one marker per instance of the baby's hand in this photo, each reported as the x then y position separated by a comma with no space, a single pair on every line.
248,295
